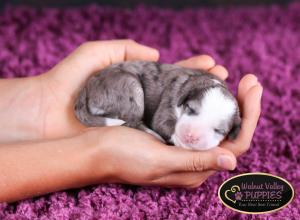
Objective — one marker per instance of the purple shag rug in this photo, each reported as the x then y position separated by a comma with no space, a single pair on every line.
262,39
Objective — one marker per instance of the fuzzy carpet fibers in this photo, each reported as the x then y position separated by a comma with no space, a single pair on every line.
262,39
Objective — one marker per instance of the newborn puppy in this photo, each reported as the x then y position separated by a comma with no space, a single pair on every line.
185,107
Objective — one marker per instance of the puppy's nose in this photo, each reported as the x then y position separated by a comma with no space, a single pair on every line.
191,138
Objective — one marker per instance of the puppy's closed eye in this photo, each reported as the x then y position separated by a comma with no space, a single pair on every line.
220,131
190,110
235,130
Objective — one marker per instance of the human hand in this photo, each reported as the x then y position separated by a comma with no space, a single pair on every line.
98,155
125,155
249,99
41,107
62,83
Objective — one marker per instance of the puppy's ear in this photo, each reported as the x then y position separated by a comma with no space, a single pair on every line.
236,127
188,95
183,98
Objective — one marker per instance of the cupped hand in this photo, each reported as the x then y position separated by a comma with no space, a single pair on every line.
129,155
249,99
125,155
61,84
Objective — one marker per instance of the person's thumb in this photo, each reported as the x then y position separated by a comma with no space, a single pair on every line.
190,160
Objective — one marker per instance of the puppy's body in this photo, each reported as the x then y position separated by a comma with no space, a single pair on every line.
165,100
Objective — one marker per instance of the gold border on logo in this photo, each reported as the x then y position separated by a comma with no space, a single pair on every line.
263,174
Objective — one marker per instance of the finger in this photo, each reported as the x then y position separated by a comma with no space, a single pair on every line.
130,50
100,54
183,179
219,71
204,62
93,56
182,160
251,111
247,82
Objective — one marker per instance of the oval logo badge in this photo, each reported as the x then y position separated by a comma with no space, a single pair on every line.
256,193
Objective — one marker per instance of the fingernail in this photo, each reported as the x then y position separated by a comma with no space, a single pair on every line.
225,162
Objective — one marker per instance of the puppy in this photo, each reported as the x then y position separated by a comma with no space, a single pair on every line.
184,107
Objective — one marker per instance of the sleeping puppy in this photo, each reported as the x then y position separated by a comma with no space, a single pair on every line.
185,107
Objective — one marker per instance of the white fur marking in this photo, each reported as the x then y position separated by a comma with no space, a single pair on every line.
113,122
216,107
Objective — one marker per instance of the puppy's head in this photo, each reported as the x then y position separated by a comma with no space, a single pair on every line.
205,116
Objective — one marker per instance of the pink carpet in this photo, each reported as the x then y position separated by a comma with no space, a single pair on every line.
263,39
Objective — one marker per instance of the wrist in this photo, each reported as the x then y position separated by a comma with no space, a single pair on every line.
95,165
20,101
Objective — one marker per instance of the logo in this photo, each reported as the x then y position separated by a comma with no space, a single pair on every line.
256,193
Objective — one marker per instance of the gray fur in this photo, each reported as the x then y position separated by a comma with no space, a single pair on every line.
144,95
